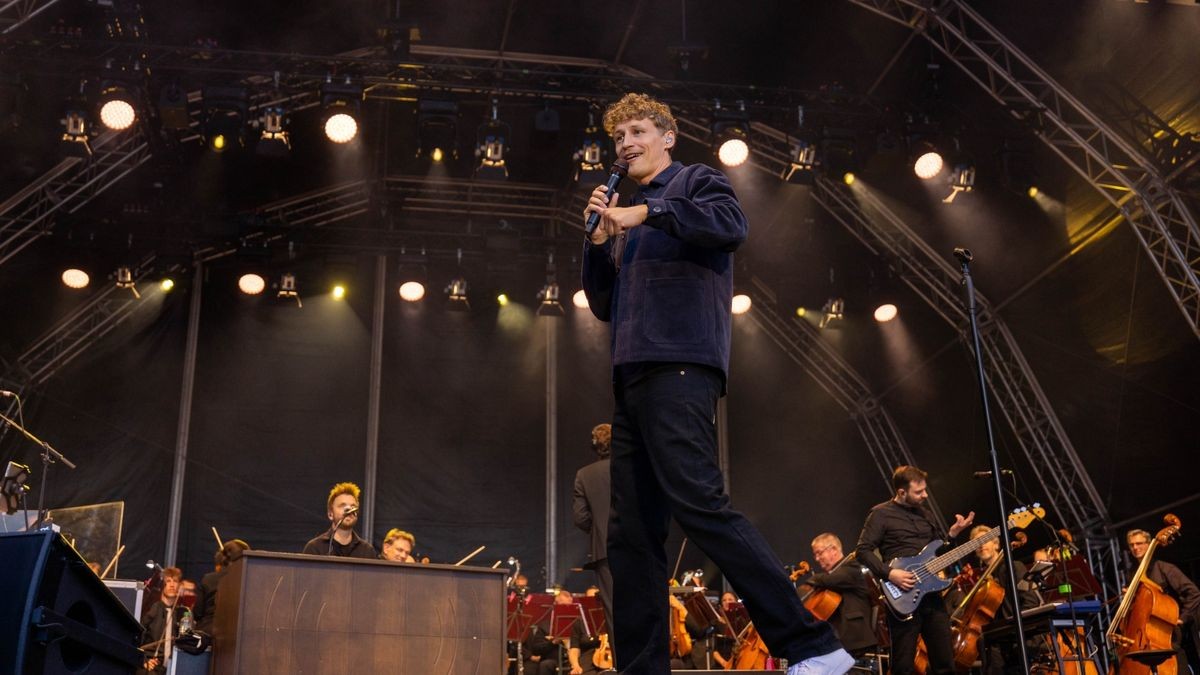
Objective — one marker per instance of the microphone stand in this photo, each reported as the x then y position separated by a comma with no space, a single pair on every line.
333,529
49,456
964,258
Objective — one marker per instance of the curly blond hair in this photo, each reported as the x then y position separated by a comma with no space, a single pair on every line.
639,107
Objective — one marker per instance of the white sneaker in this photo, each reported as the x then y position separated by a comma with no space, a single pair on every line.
834,663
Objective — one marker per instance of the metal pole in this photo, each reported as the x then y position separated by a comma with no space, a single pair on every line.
723,460
551,448
185,415
374,395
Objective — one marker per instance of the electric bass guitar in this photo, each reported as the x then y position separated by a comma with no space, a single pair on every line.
927,564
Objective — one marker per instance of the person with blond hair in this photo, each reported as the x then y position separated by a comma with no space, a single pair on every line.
660,269
398,546
341,508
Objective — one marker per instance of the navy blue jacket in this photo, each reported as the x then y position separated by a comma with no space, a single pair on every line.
669,300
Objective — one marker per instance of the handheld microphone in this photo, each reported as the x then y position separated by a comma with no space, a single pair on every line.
964,255
349,512
988,474
618,171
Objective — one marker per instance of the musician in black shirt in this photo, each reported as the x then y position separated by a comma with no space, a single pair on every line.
852,619
340,539
1176,585
901,527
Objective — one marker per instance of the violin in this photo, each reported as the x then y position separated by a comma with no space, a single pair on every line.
1147,616
602,658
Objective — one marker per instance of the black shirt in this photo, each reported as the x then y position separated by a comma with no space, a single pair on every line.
897,531
357,548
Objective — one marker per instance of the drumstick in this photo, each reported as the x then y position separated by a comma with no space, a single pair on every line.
219,544
472,554
112,562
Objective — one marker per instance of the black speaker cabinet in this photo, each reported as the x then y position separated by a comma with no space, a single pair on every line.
56,616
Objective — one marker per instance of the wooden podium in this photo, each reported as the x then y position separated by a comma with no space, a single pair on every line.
289,613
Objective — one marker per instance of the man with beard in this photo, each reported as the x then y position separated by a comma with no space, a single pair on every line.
340,539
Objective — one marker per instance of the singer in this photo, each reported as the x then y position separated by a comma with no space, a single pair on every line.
661,271
340,539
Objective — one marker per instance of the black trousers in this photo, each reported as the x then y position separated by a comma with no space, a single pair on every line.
932,622
664,464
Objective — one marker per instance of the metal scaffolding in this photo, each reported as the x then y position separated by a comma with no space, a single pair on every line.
16,13
72,183
803,344
1116,168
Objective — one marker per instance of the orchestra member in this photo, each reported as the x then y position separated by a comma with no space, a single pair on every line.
899,527
167,609
340,539
1001,655
661,271
205,608
1175,584
398,546
590,506
852,619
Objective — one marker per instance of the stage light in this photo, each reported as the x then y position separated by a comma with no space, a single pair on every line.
731,135
502,299
801,312
1032,191
75,278
962,179
224,117
848,178
251,284
804,162
592,153
166,285
832,313
275,141
928,165
412,291
117,111
886,312
125,281
173,107
338,292
579,299
287,289
550,305
75,138
437,129
341,103
491,147
456,295
741,303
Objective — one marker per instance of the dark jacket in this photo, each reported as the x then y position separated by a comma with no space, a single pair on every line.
206,600
853,620
589,507
359,547
670,300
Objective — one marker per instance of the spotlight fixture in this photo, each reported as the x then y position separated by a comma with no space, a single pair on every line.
412,291
731,135
338,292
125,281
848,178
928,164
1032,191
741,303
274,141
75,141
116,104
592,154
800,170
832,313
456,294
550,306
13,487
251,283
886,312
437,130
224,121
75,278
341,103
579,299
287,288
502,299
167,285
962,179
491,147
173,107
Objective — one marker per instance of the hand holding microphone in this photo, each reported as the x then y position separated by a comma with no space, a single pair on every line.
601,197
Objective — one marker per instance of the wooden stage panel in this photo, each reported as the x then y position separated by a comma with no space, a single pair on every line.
283,613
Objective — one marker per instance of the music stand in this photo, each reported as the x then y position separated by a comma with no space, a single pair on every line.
1078,575
520,619
563,618
593,615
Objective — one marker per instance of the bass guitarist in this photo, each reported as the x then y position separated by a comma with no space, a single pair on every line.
901,527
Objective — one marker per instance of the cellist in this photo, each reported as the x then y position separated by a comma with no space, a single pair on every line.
1175,584
851,620
1003,656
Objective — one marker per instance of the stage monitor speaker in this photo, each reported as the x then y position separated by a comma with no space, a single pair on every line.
56,616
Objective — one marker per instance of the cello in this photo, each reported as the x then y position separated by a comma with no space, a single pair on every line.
821,602
1147,616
